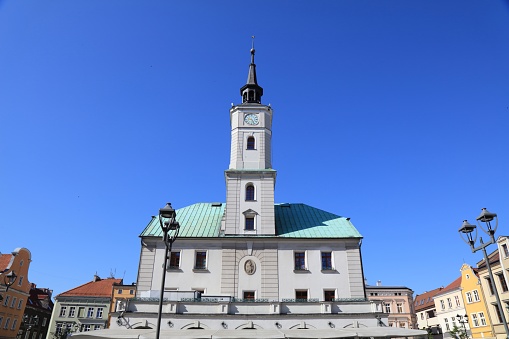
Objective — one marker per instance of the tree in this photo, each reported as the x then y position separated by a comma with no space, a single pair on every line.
458,333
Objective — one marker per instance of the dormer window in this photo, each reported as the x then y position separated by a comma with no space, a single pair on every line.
250,193
251,143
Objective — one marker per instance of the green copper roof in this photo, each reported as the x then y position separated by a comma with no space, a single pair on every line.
203,220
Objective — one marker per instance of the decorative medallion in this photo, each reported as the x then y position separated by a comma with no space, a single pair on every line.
250,267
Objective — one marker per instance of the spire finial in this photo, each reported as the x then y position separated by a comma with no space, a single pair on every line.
251,92
252,49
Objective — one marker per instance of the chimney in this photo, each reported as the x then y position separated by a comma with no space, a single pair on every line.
379,283
96,278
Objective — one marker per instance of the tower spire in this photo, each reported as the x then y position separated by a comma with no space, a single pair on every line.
251,92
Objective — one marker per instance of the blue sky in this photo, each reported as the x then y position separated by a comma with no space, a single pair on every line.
392,113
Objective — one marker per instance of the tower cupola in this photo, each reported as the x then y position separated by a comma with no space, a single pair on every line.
251,92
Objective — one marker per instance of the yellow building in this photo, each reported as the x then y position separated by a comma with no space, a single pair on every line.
479,319
14,290
120,297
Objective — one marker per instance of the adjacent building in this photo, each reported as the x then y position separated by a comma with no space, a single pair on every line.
450,309
120,296
426,312
84,308
37,315
14,290
397,302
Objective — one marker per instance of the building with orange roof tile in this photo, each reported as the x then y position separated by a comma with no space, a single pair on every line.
82,309
13,296
426,312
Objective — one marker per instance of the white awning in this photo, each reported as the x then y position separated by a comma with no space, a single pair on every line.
376,332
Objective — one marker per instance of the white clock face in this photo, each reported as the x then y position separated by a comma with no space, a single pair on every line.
251,119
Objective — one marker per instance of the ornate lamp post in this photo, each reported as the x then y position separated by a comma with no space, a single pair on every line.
466,228
9,280
168,223
463,319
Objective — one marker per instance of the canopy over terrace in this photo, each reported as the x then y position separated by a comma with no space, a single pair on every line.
374,332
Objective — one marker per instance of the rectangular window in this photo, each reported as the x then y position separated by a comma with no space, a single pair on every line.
99,313
476,295
20,281
387,308
14,323
400,307
86,328
97,327
72,311
174,260
449,302
505,250
499,315
249,295
249,223
326,261
447,324
63,311
442,304
201,260
329,295
482,319
131,292
7,321
475,321
6,301
300,260
59,328
457,298
301,295
81,312
13,302
503,283
90,313
490,285
120,291
1,319
469,297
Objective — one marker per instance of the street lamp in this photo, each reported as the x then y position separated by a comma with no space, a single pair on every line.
463,319
9,280
168,223
466,228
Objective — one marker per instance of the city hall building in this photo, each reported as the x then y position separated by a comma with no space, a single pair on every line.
250,268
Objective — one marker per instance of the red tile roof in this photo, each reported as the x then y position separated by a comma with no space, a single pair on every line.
425,300
5,259
452,286
99,288
493,258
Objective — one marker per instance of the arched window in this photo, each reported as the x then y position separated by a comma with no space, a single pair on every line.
250,193
251,143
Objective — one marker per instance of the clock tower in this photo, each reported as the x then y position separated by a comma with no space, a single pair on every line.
250,179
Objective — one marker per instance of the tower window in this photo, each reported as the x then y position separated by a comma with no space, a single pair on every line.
251,96
250,193
251,143
249,223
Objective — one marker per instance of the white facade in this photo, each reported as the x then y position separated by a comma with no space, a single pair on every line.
253,264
